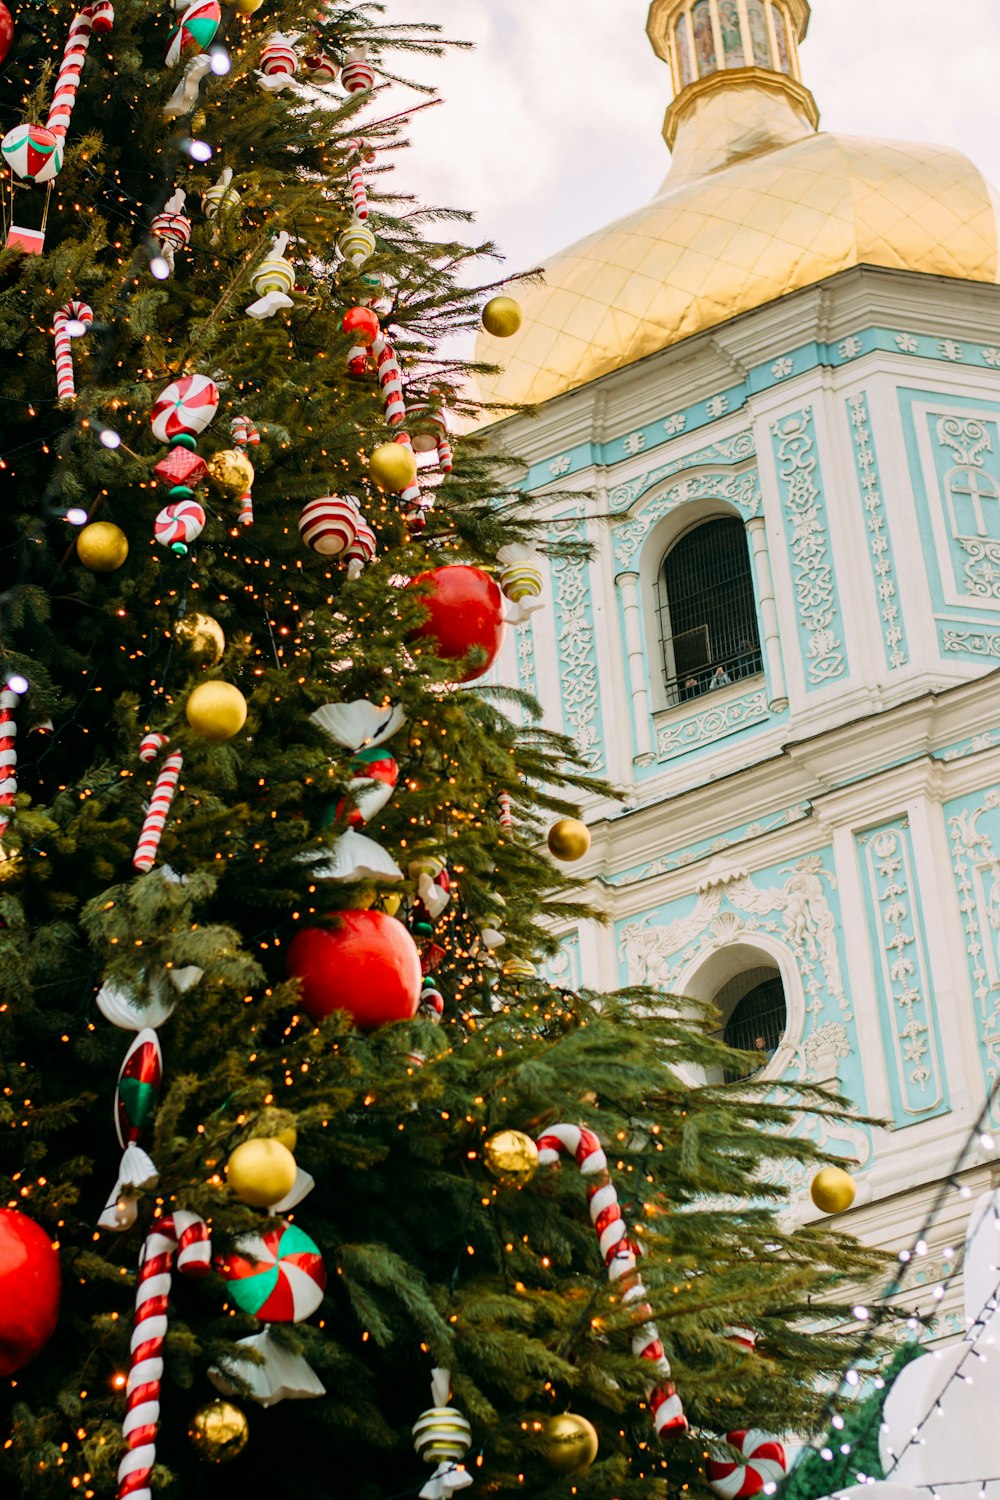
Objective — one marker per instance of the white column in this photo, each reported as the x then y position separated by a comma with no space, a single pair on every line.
638,681
757,532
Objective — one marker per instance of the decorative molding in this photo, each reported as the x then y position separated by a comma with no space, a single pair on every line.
731,450
741,490
969,642
816,597
907,1011
988,740
680,858
564,969
976,867
576,644
713,723
773,372
879,540
527,665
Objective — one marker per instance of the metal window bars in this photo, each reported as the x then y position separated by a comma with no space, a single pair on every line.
707,612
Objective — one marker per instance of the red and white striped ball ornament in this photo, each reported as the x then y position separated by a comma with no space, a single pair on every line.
178,524
365,544
279,62
184,408
329,525
764,1462
321,68
358,75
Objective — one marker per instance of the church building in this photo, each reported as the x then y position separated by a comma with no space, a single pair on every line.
770,400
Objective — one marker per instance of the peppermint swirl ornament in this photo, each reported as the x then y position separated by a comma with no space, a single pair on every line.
184,408
765,1463
179,523
278,1277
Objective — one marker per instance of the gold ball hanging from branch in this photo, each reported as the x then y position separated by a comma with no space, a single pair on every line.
219,1432
230,473
202,636
261,1172
502,317
216,710
510,1157
570,1443
102,547
833,1190
569,839
393,466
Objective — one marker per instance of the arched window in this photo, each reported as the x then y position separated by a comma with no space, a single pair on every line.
708,617
754,1014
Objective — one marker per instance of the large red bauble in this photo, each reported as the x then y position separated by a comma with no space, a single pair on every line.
464,609
367,965
362,324
29,1290
6,31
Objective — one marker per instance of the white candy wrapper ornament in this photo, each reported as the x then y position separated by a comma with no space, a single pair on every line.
360,724
279,63
129,1014
442,1436
619,1255
185,96
172,227
220,201
353,857
184,1237
278,1376
70,322
272,281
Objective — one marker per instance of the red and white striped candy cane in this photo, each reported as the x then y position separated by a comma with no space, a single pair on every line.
245,434
357,361
506,819
8,755
415,504
356,177
69,323
99,17
390,378
159,804
187,1238
619,1254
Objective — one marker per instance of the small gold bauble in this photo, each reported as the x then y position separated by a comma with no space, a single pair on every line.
518,968
510,1157
102,547
216,710
391,902
247,7
289,1137
199,119
202,636
569,839
261,1172
219,1432
570,1443
502,317
832,1190
393,467
230,472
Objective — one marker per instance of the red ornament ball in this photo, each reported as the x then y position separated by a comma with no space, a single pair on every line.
368,965
362,325
464,611
6,31
29,1290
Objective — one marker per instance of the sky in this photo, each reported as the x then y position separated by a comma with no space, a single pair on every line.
551,128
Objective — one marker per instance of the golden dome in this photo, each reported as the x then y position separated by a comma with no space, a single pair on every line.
757,205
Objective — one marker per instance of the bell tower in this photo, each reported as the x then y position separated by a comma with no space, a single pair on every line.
737,82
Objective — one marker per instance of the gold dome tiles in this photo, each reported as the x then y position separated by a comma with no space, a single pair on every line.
713,247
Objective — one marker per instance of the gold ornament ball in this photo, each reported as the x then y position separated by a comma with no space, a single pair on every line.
102,547
393,466
247,7
202,636
832,1190
261,1172
518,968
510,1157
502,317
199,119
289,1137
570,1443
219,1432
216,710
230,473
569,839
391,902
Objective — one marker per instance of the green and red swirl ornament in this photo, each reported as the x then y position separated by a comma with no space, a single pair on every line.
277,1277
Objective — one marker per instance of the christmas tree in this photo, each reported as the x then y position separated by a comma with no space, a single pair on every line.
273,835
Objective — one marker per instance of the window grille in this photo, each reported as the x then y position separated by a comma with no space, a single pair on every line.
707,612
759,1016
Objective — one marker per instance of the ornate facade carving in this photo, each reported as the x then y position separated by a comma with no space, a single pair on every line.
879,540
576,640
713,723
741,490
